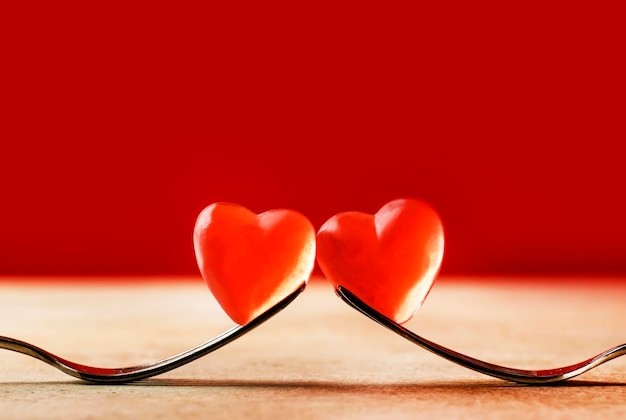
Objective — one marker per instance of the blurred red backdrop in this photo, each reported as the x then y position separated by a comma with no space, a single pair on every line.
120,124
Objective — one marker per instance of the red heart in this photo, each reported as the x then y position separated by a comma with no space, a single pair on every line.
251,262
389,260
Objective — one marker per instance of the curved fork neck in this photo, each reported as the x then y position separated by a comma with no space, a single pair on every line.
529,377
134,373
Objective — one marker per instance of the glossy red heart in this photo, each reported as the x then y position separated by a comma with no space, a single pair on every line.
389,260
251,262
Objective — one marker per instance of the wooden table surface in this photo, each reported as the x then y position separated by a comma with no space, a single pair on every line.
316,359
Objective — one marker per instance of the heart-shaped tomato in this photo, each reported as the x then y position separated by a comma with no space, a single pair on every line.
251,262
389,260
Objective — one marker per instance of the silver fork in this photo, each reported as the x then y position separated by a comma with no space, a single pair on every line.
509,374
134,373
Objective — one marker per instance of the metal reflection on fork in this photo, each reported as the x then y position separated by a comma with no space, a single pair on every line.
522,376
134,373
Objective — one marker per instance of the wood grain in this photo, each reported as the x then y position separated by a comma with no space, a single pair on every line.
316,359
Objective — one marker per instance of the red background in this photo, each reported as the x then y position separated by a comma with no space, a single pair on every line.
120,124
